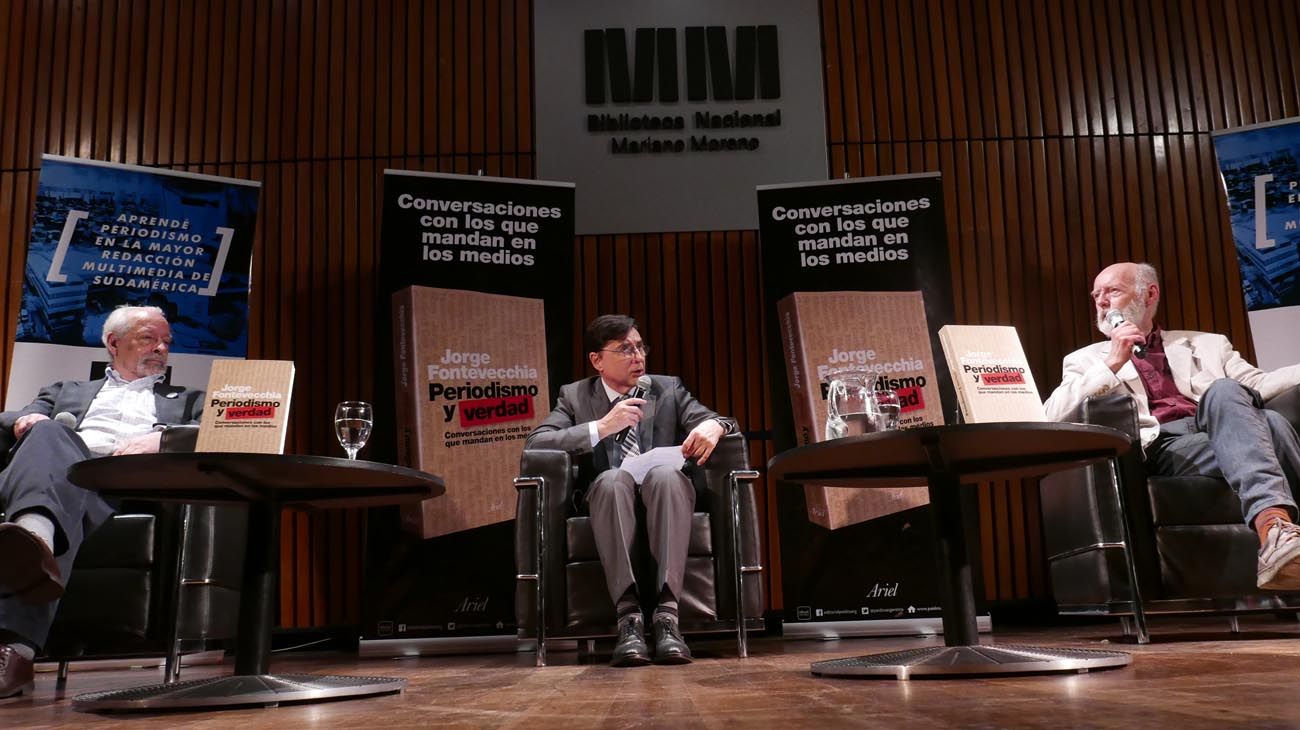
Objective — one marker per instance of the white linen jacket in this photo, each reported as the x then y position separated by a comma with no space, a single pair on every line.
1196,359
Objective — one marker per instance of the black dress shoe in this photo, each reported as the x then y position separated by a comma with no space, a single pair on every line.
631,650
16,673
28,570
670,648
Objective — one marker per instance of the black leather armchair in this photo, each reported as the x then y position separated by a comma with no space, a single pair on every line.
1189,548
153,580
559,574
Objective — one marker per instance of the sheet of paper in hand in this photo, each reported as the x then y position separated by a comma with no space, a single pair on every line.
638,466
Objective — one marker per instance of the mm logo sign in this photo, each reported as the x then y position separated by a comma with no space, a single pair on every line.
756,74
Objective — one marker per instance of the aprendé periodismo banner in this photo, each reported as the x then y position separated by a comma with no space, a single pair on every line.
106,234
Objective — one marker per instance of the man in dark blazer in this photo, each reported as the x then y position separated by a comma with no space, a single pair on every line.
586,422
125,412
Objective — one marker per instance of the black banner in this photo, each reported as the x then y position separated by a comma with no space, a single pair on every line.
487,236
882,234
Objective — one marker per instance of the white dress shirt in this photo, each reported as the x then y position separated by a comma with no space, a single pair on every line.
120,411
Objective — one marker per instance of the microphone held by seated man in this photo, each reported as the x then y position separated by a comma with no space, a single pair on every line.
124,412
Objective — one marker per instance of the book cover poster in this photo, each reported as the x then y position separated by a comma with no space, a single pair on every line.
472,384
106,234
883,333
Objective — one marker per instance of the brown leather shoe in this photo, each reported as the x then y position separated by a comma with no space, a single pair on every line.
28,570
16,673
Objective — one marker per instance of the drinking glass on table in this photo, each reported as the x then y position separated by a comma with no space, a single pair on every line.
353,420
887,410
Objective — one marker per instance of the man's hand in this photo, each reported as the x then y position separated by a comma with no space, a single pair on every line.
146,444
702,440
1122,340
625,413
23,424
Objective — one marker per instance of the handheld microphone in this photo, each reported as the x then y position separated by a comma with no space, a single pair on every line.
642,387
65,418
1115,318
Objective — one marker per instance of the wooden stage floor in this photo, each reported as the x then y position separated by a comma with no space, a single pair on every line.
1195,674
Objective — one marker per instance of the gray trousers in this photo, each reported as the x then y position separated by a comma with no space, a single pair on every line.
1233,437
669,499
36,479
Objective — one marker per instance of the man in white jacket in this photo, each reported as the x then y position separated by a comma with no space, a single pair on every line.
1200,409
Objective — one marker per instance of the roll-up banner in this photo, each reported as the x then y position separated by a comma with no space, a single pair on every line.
1262,183
107,234
856,275
477,276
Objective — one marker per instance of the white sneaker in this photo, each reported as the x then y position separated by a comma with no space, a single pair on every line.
1279,559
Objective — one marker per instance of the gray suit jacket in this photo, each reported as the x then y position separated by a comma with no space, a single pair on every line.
173,403
670,414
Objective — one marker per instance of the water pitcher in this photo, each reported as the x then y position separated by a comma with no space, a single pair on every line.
851,408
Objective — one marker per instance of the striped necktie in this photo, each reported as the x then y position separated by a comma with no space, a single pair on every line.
631,445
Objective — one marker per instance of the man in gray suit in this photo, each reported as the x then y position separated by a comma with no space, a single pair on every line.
1200,410
586,422
125,412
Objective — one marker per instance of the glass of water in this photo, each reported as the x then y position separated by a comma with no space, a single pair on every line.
353,420
887,410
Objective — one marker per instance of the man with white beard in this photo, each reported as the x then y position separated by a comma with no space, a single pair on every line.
1200,410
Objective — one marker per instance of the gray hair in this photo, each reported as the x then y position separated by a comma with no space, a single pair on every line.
1145,276
121,320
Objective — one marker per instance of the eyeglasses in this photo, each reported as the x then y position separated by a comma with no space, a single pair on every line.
629,350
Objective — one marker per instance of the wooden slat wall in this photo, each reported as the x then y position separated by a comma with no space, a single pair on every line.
1070,133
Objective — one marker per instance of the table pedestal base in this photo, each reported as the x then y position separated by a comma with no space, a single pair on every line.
951,661
264,690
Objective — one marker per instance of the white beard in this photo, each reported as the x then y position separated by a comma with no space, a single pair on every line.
1135,312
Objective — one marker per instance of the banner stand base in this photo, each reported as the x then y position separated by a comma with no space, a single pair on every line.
834,630
503,644
972,661
508,644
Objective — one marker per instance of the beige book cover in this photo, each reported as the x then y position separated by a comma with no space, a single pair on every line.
882,332
991,374
471,384
247,407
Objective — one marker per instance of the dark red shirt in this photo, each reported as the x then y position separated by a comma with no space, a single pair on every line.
1167,403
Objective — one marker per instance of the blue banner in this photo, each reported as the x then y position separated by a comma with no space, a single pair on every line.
1261,179
106,234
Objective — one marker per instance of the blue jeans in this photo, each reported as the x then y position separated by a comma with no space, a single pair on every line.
1233,437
